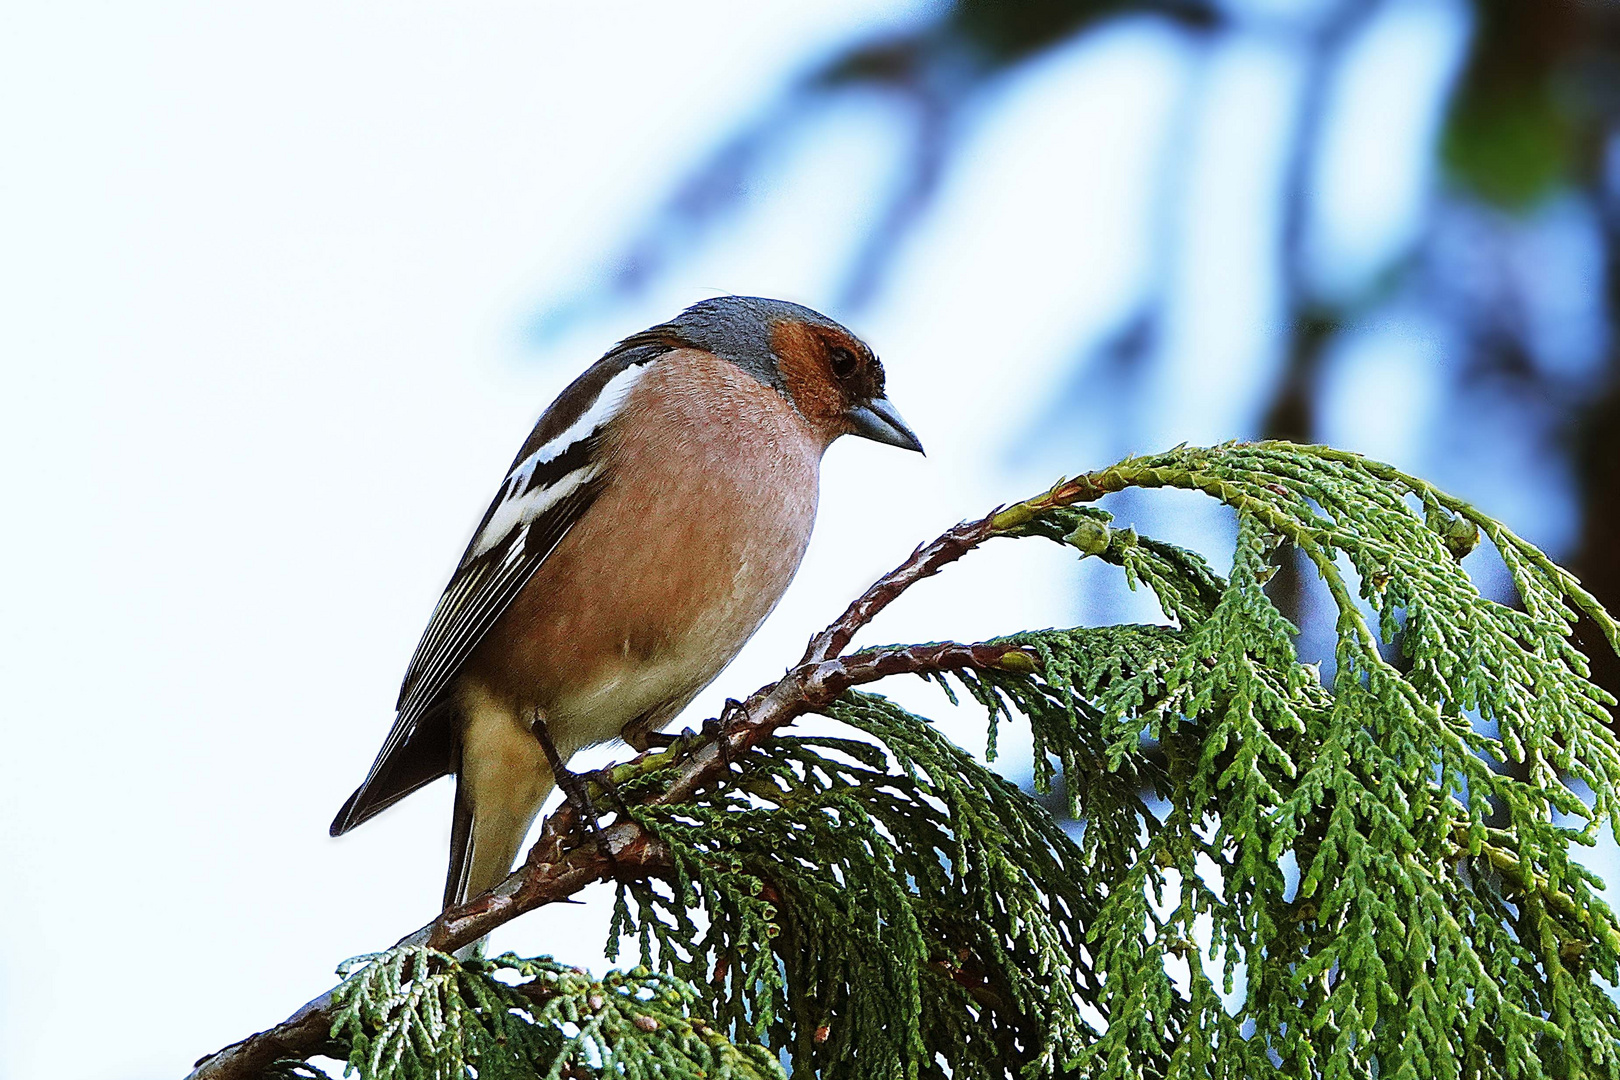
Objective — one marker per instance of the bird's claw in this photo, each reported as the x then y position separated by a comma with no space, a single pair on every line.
663,740
718,728
576,791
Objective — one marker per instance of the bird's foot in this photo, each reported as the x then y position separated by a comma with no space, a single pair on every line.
718,728
662,740
576,790
602,778
731,710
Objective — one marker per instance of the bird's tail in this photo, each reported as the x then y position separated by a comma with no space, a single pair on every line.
484,844
461,828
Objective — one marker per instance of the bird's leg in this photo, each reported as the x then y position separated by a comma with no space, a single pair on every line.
573,785
642,738
713,728
717,728
678,745
663,740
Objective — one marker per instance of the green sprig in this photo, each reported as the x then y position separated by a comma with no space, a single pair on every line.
1266,874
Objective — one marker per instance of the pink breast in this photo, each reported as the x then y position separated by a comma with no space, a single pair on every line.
704,522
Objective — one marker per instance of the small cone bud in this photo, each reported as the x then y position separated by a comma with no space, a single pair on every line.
1090,536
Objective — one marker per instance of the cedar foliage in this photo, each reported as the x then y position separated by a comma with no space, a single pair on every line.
1273,875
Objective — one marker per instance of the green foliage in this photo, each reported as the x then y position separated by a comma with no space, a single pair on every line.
1268,875
418,1014
876,906
1390,860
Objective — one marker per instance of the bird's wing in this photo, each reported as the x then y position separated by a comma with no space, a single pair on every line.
552,483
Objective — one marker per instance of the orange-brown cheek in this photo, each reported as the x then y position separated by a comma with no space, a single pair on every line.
799,357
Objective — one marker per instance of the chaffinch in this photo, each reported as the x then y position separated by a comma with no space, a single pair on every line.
645,530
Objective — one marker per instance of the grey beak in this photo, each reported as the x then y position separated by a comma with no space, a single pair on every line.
880,421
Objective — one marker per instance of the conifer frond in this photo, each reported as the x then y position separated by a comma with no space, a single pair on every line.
1269,875
914,905
1389,858
414,1013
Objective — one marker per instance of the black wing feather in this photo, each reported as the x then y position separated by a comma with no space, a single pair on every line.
420,747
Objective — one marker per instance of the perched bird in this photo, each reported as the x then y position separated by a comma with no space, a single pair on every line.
645,530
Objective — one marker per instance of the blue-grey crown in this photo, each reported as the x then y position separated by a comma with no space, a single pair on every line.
738,328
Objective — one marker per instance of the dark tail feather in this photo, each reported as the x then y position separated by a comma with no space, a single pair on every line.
461,828
371,799
422,759
342,823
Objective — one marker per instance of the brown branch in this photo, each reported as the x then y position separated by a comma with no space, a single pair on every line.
926,561
949,546
560,865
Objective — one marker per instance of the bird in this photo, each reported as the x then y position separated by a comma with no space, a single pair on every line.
645,530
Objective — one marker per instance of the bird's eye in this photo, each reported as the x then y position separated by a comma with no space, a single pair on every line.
843,362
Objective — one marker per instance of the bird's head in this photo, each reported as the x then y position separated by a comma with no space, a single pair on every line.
828,374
